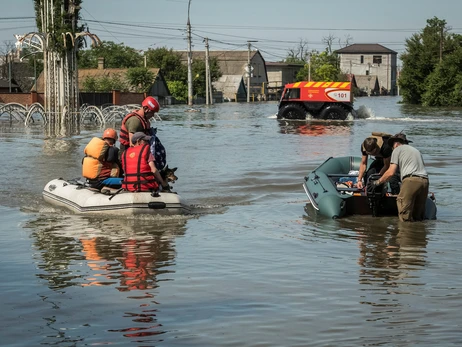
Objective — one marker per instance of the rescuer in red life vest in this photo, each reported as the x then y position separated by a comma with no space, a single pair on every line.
137,121
141,174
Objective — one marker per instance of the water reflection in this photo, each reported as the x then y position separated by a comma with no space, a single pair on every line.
76,254
391,254
315,128
388,255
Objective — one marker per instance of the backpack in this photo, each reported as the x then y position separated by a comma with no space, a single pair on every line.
157,150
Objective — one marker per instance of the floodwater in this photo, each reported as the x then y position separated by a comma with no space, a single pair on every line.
252,266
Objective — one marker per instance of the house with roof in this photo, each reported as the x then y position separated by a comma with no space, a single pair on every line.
7,87
232,65
370,60
280,74
159,88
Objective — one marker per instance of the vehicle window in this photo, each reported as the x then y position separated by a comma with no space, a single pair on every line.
292,94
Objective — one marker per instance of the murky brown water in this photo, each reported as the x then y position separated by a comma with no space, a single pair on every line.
252,266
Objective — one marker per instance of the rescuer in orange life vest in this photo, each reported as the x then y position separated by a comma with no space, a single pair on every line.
141,174
101,165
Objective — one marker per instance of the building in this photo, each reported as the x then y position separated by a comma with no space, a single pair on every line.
232,88
234,63
7,87
279,74
370,60
159,89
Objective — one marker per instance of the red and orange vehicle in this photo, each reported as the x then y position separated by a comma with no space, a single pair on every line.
316,100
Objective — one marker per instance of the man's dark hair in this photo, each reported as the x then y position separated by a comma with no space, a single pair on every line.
370,144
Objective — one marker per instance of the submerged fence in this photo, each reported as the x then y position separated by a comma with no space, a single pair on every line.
35,114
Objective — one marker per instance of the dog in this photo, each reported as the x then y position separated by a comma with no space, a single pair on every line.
168,174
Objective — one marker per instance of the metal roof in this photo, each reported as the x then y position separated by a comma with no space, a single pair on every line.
365,48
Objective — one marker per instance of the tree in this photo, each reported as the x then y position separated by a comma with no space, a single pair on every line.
169,62
432,66
299,54
324,67
105,84
445,82
140,79
198,69
178,89
115,56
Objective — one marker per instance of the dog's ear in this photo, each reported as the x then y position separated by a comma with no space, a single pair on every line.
174,169
166,167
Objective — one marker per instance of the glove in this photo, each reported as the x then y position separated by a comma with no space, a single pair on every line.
375,183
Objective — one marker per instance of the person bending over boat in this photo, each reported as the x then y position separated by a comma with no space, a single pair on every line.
101,166
141,174
376,146
414,188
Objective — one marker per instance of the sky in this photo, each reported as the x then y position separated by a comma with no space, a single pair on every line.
277,26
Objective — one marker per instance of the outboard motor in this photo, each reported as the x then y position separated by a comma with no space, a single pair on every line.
375,194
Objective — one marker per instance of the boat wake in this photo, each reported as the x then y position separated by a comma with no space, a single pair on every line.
364,112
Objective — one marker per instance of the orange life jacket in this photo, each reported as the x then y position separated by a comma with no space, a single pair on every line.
123,134
94,165
138,174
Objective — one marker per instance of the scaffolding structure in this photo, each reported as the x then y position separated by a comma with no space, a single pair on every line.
60,66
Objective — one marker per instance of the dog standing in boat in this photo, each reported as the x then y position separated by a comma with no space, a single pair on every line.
168,174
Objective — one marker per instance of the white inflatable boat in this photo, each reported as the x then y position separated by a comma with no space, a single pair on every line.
78,197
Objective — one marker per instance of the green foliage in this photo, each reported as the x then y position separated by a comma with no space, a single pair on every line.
324,67
178,89
199,77
90,84
65,24
443,84
432,67
140,79
115,56
105,84
169,62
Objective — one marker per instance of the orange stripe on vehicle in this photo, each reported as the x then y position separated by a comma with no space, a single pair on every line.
296,84
336,84
318,84
345,85
308,84
326,84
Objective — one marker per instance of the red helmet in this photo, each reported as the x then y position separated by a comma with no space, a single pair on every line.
151,104
110,133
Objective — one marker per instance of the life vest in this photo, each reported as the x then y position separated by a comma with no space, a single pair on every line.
94,165
138,174
123,134
380,137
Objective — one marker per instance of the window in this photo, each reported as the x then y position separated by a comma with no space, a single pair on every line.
377,59
362,59
292,94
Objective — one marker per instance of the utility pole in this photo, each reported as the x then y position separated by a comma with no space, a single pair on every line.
249,70
309,66
190,83
9,70
208,82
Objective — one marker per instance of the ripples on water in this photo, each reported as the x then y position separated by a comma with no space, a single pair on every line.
252,266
